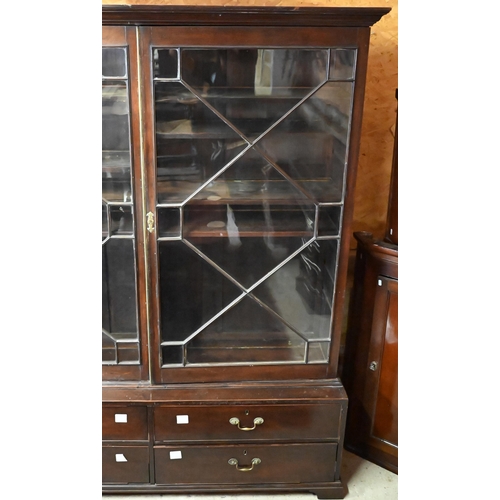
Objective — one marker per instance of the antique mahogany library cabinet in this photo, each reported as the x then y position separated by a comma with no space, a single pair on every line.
230,141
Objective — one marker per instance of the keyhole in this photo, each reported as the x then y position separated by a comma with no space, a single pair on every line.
246,412
244,452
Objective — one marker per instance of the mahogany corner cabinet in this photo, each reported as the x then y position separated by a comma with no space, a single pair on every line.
230,141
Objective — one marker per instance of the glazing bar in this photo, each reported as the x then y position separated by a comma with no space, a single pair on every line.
288,259
274,313
289,112
214,265
220,313
209,106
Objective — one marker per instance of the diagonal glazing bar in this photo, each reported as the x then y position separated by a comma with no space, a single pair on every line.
288,259
275,314
289,112
223,169
210,321
214,265
209,106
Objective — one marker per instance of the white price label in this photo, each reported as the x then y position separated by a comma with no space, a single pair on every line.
121,418
120,457
175,455
182,419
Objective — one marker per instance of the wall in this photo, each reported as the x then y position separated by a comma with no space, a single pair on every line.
377,137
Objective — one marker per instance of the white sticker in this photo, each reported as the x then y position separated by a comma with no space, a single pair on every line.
121,418
175,455
182,419
120,457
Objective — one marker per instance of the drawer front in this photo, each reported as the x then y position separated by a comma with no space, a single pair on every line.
278,422
281,463
124,423
125,464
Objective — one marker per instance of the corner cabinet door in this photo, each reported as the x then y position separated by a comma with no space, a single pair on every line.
124,343
249,134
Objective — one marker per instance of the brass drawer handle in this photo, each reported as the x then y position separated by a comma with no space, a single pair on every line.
244,468
256,421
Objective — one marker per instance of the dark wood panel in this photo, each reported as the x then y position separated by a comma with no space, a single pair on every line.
259,393
287,463
280,422
384,352
134,470
135,427
254,37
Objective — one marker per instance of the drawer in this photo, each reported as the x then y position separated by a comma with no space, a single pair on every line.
125,464
232,464
124,423
279,422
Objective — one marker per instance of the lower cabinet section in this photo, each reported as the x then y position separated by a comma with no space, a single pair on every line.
161,441
125,464
283,463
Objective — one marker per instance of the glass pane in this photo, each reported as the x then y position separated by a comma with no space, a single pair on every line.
119,289
165,63
310,145
114,62
301,292
192,142
192,292
121,220
329,221
115,142
342,64
169,222
247,333
253,88
253,227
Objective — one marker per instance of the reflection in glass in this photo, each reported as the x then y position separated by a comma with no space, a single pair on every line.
301,292
310,145
115,142
342,64
329,220
253,88
246,333
165,63
192,292
114,62
192,142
